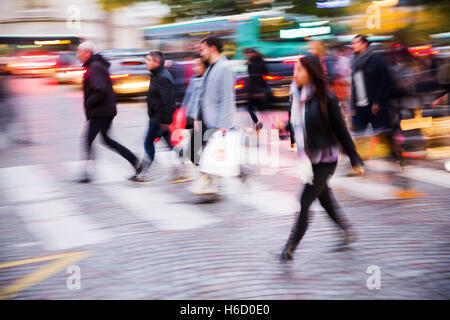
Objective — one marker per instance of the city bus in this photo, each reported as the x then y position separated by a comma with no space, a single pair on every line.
280,37
273,33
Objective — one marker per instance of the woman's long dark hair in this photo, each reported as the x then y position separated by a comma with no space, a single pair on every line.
314,68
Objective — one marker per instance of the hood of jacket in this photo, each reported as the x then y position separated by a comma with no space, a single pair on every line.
99,58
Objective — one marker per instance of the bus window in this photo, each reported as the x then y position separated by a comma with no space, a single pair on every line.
269,28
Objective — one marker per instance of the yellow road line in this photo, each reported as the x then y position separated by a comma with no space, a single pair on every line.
62,261
34,260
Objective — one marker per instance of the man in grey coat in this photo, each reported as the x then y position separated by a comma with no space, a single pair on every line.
218,106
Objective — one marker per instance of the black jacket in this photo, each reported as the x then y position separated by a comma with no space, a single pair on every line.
256,69
161,96
377,81
322,133
99,100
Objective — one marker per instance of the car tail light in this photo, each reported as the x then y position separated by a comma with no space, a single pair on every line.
35,57
269,77
424,50
75,71
239,84
120,76
130,63
292,60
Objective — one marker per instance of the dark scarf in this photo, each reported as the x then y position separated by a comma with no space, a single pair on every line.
360,60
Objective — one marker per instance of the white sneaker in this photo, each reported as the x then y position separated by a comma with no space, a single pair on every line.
203,185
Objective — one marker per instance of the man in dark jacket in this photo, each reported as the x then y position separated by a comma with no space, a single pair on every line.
370,86
161,106
99,104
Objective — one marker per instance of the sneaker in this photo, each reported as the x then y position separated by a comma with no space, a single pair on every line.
349,237
259,126
141,174
144,165
85,179
287,254
244,174
204,186
141,178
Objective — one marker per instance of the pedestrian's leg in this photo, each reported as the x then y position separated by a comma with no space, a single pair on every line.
251,110
328,202
361,118
166,136
291,132
94,127
310,193
152,134
124,152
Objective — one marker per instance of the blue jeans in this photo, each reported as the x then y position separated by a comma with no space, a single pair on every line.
154,132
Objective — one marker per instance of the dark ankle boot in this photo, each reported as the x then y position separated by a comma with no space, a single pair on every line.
288,252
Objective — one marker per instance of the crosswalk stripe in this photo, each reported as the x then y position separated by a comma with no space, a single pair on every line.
111,171
103,171
428,175
359,187
264,199
431,176
27,184
364,189
146,202
59,225
56,223
160,208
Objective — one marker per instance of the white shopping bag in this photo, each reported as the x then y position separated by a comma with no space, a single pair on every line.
222,154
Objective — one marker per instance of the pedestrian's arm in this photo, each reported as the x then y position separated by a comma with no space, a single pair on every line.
166,92
188,93
98,83
382,82
340,129
439,101
226,97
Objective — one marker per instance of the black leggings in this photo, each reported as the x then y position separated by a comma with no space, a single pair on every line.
319,189
290,129
253,106
102,125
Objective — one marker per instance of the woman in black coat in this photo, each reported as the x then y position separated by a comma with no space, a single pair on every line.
258,91
319,128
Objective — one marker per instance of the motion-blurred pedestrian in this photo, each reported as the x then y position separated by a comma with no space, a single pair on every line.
371,84
327,61
218,105
257,88
99,106
191,101
160,108
319,127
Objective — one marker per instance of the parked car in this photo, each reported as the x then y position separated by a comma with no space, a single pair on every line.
129,76
68,69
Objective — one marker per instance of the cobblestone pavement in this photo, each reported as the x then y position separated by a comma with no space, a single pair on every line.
157,241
